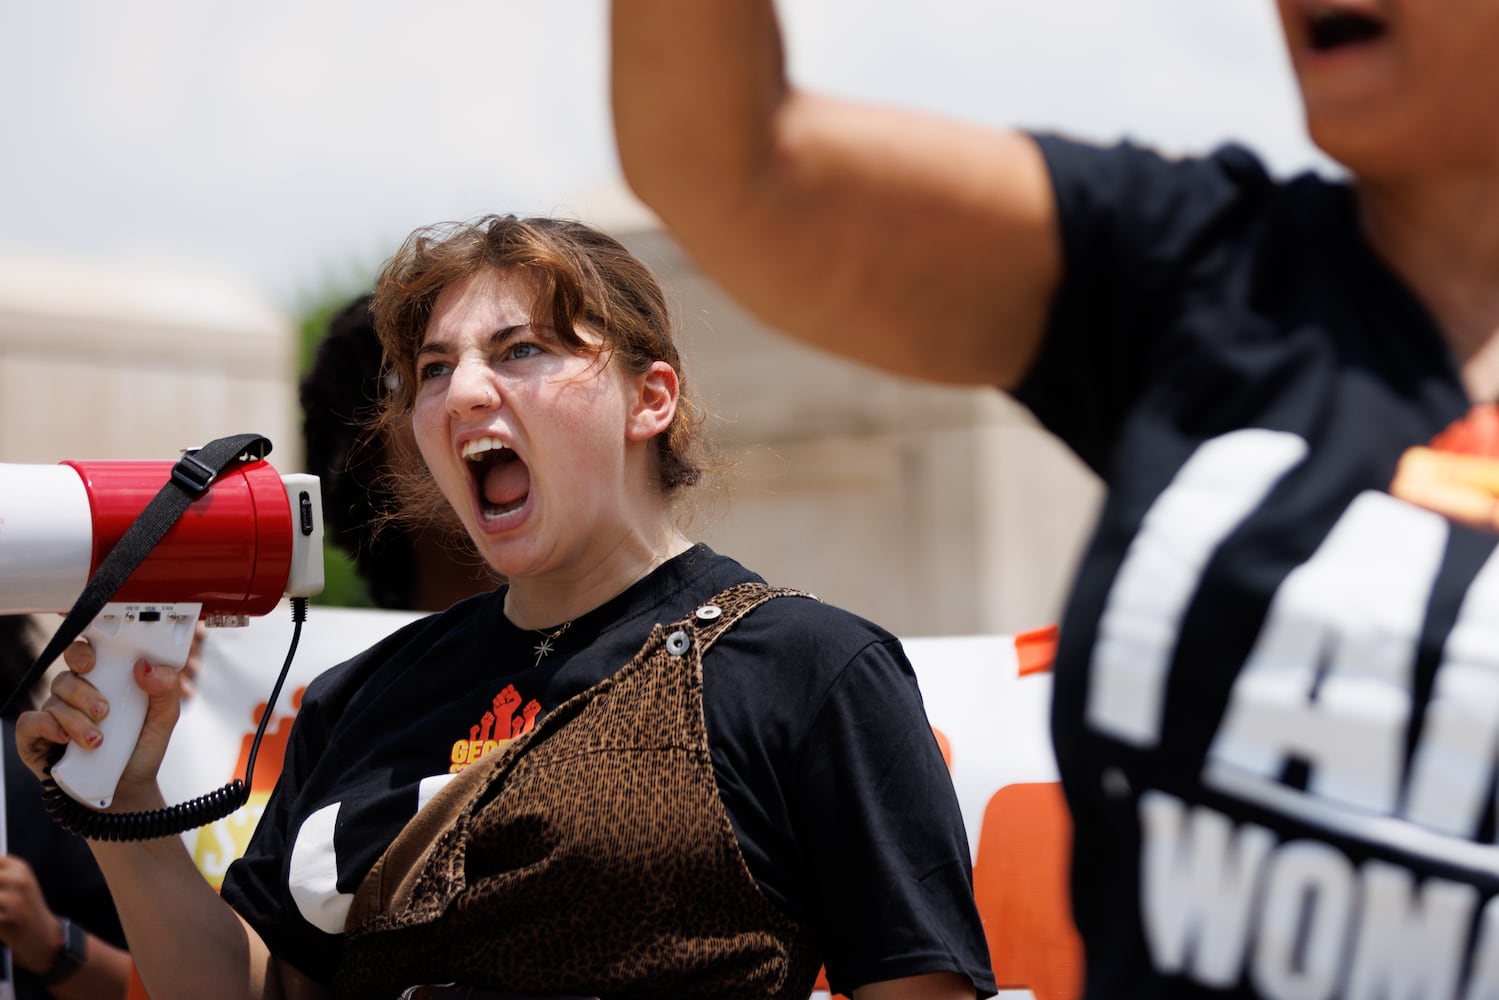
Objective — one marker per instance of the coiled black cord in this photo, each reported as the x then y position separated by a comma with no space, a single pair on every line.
78,818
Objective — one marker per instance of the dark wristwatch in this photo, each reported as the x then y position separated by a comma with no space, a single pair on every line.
72,956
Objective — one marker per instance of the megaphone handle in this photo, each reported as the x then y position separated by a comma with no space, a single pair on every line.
120,636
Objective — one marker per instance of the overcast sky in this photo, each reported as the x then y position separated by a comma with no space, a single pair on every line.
292,143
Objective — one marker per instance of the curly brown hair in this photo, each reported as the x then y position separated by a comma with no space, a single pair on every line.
583,277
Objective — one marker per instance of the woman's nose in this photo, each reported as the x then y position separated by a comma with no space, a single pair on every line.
470,388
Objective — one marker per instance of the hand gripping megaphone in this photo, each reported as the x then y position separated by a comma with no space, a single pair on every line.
244,538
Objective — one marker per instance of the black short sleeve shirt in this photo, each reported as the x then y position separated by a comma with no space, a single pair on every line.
830,774
1277,701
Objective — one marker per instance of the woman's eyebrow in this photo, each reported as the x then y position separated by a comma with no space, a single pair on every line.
497,338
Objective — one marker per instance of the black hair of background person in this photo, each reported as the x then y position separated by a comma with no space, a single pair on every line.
17,633
338,395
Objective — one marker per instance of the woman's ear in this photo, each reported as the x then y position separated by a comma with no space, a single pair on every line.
655,402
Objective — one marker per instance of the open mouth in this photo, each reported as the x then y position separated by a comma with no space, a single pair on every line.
502,481
1337,29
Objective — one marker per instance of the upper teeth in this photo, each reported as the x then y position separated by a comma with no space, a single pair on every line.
473,449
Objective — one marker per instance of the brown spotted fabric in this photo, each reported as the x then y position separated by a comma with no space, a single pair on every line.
591,856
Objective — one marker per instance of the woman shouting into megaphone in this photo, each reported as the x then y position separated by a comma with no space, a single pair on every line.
634,770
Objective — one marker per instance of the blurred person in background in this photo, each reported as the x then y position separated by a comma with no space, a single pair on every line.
1277,685
56,915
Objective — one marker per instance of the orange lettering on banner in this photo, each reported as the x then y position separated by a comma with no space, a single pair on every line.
1035,650
945,745
222,841
272,753
1020,884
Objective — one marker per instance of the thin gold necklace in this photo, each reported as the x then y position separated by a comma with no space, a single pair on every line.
545,646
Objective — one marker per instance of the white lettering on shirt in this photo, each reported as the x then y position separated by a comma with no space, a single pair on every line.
1223,900
1212,493
1327,694
1328,681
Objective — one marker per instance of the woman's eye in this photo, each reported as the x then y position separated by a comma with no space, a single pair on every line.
433,369
523,350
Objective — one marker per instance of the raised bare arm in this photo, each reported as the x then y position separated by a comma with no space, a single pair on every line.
904,240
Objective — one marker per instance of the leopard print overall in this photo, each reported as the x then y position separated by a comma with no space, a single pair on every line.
590,856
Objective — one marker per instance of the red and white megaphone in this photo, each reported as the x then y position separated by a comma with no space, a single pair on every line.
251,538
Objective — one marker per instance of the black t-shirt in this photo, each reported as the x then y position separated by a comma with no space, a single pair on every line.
826,764
70,880
1277,687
